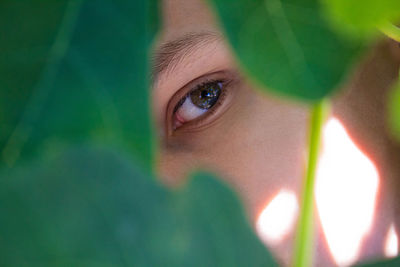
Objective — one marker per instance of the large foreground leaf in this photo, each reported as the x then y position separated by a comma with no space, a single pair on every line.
73,71
287,45
94,208
361,18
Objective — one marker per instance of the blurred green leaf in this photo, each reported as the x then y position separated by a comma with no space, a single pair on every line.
385,263
287,45
74,71
93,207
361,19
394,110
391,31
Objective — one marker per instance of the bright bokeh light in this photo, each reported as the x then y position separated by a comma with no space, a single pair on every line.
346,188
391,243
278,217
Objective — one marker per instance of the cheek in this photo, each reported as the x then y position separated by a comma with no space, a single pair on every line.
263,152
257,147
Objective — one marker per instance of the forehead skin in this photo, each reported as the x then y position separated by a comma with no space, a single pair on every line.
185,16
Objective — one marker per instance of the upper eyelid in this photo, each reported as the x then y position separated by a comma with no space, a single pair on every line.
208,81
223,75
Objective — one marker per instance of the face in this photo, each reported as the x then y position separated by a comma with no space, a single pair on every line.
235,130
209,115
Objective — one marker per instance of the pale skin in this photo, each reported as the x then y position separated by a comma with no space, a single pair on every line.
255,141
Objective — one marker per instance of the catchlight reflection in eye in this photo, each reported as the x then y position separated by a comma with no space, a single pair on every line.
277,218
346,187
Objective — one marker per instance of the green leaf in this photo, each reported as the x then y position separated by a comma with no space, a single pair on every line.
287,46
391,31
394,110
74,71
93,207
361,19
386,263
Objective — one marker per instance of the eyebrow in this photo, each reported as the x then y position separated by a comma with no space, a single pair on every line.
169,54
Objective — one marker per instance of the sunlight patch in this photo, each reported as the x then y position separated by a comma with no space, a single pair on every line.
391,243
277,218
346,188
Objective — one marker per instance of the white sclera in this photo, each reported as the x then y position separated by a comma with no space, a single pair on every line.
188,111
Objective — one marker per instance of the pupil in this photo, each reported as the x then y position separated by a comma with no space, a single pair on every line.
206,96
204,93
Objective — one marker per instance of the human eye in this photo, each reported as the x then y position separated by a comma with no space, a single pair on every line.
197,102
200,102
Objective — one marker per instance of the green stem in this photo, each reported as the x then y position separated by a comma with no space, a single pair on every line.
303,251
391,31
